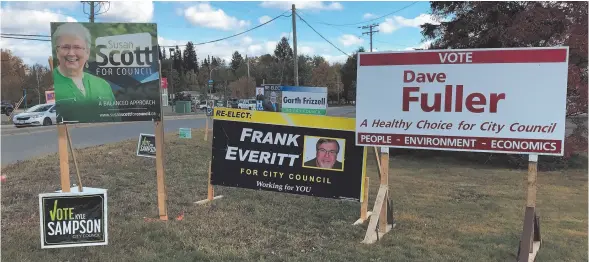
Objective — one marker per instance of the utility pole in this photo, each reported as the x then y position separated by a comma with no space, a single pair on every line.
370,32
248,71
96,8
294,43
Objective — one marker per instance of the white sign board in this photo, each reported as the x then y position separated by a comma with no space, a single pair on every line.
484,100
304,100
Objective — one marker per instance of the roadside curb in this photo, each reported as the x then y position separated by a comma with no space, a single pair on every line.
10,129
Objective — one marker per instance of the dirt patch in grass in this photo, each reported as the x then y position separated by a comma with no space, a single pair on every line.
444,211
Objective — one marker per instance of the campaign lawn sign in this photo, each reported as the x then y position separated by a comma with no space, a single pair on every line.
509,100
146,145
185,132
73,219
292,99
288,153
118,68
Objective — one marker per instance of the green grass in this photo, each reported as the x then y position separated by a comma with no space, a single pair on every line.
445,211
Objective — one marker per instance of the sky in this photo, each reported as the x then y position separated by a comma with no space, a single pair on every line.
180,22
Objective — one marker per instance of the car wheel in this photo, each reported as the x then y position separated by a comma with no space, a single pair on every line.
47,121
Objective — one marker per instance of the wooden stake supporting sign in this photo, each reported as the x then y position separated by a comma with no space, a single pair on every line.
530,240
64,142
364,213
64,165
381,220
210,190
159,166
208,128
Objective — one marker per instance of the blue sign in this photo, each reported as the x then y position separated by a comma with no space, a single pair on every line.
210,81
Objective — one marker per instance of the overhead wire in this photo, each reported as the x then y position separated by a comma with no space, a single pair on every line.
374,19
24,38
21,36
321,35
234,35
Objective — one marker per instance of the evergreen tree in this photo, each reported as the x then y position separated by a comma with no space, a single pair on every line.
190,62
236,61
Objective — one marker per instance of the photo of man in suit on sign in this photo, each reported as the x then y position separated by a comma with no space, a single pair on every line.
326,154
272,104
259,93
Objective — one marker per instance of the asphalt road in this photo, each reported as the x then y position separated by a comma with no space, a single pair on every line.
31,142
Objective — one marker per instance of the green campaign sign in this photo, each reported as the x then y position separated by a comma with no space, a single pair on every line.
106,72
185,133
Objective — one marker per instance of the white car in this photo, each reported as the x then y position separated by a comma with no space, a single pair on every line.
43,114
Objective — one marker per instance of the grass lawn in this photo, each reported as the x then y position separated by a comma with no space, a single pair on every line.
445,211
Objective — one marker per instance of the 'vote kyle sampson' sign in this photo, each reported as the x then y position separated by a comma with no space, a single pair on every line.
146,145
290,153
73,219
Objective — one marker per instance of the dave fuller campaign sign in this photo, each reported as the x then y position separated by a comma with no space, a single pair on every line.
146,145
106,72
304,100
485,100
287,153
73,219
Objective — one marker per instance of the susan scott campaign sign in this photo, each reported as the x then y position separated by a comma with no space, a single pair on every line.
73,219
288,153
106,72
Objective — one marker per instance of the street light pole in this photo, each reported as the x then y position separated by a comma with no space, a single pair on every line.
210,78
38,88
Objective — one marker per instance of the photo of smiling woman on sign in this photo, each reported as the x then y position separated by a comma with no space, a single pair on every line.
79,96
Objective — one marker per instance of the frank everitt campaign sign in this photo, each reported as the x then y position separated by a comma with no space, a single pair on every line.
501,100
106,72
287,153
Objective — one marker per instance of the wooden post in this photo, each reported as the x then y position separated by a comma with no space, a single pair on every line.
210,190
530,240
381,220
159,165
64,165
206,128
69,140
384,181
62,147
364,213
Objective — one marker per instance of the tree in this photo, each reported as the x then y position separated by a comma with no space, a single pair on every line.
190,60
283,55
242,89
12,78
348,73
519,24
236,61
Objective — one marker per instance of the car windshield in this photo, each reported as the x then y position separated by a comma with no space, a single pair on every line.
38,108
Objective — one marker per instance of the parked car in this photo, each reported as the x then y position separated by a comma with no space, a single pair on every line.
203,105
42,114
7,108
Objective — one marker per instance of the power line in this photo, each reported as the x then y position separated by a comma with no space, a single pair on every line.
14,36
321,35
374,19
23,38
231,36
24,35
